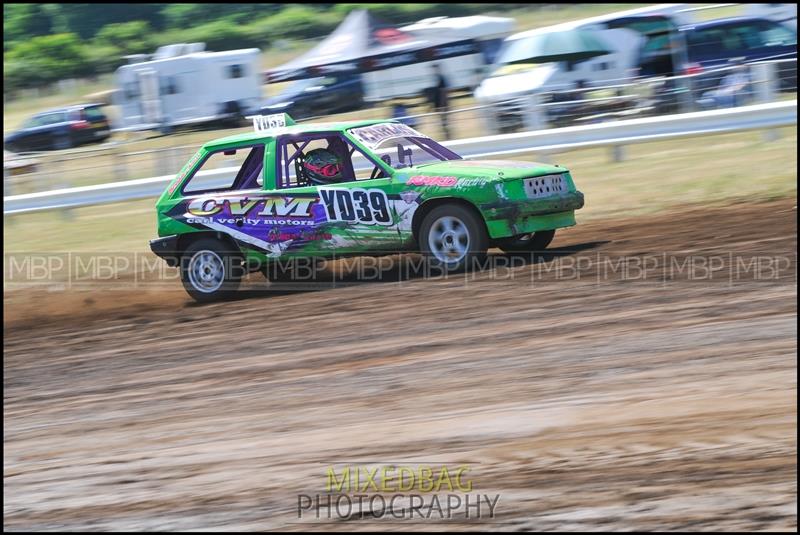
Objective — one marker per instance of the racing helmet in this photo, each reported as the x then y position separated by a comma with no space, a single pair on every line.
322,167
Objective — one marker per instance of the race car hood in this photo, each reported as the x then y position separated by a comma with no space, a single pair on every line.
493,169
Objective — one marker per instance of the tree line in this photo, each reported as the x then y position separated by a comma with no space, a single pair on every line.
44,43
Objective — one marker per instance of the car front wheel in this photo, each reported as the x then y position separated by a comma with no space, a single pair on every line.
453,237
210,270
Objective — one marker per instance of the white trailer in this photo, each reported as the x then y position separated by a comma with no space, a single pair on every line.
462,72
183,84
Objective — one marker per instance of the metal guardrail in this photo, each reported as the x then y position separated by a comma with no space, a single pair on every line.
756,117
613,100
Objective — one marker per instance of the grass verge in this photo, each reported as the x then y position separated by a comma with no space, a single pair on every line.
653,177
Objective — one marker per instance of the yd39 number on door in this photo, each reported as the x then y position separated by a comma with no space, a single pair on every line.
356,205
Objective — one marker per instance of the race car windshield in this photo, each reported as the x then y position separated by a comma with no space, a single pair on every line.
405,152
401,146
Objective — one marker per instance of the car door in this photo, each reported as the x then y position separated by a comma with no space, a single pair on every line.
225,193
30,136
49,132
351,216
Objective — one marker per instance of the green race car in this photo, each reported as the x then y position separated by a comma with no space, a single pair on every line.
290,191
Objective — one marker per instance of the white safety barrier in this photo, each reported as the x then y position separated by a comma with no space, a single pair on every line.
618,133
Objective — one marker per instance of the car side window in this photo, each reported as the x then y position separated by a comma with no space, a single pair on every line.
54,118
323,158
705,42
773,34
743,37
33,122
229,169
93,114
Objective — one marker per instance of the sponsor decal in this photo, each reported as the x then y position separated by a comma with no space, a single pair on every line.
466,183
272,250
182,174
278,235
265,123
394,60
409,196
390,36
338,67
442,181
374,135
356,205
453,50
299,207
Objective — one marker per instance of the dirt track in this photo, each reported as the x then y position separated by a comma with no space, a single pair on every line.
591,402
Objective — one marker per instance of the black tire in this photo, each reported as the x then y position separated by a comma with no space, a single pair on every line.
527,243
211,270
442,233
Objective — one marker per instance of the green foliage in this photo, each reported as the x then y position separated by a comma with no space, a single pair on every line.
21,74
297,21
104,58
185,15
88,19
59,54
189,15
408,13
45,59
217,35
127,37
23,21
43,43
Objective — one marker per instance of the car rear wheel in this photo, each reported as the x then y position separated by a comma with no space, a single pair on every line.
210,270
453,237
528,243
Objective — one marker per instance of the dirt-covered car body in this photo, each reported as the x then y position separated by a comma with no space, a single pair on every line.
269,210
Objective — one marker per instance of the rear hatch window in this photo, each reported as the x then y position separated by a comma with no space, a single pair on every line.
93,115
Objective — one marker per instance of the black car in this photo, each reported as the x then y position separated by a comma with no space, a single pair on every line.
705,48
318,96
716,43
61,128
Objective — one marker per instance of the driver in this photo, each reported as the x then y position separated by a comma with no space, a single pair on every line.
322,167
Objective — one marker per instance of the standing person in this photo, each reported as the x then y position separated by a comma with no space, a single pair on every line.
400,112
439,98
